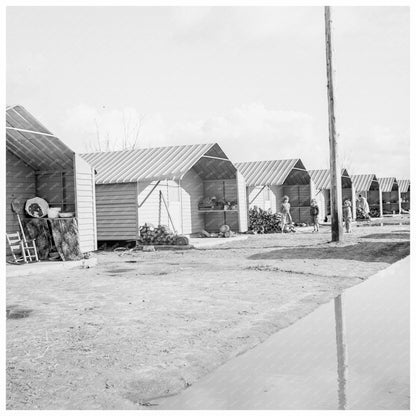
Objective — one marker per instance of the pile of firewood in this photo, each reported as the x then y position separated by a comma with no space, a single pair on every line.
160,235
264,222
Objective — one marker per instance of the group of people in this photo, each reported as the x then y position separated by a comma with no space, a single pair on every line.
362,207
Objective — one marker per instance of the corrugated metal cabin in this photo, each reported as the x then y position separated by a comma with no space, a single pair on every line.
39,164
390,195
321,179
268,181
129,185
368,186
404,188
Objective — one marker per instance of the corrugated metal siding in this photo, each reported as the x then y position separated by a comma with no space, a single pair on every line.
116,207
268,172
404,185
386,184
321,178
20,183
362,182
30,141
147,164
85,204
192,193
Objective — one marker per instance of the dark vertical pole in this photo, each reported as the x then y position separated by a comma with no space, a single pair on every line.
336,197
341,353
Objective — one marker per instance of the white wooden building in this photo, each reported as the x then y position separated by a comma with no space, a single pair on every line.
321,179
404,188
133,186
40,164
268,181
368,186
390,195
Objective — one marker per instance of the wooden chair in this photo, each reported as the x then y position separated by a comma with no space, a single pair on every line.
26,249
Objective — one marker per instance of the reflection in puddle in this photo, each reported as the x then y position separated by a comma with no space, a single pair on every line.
312,365
341,353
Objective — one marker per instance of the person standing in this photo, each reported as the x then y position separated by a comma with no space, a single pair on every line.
347,214
285,212
363,206
314,211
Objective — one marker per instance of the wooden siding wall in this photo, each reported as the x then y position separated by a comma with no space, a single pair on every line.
213,220
373,198
261,200
321,201
405,196
391,202
242,205
278,196
58,192
275,194
300,200
347,194
192,188
149,211
116,206
85,204
21,184
256,196
405,202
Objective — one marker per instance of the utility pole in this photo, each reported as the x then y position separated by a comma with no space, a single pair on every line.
335,169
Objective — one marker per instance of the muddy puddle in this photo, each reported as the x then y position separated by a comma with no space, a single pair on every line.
120,271
351,353
14,312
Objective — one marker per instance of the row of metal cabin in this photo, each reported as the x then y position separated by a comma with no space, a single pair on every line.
114,193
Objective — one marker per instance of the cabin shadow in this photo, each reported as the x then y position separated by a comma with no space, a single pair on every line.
363,251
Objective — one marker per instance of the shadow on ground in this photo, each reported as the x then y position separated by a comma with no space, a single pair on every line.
400,236
363,251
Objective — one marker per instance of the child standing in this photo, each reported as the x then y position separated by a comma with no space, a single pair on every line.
314,211
285,211
347,214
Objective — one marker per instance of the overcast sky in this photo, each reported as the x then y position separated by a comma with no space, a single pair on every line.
250,78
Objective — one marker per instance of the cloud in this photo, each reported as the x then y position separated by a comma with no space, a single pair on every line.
237,25
252,132
376,149
26,75
91,129
248,132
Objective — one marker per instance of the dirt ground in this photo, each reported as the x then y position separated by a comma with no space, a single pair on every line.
146,325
